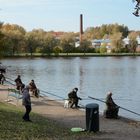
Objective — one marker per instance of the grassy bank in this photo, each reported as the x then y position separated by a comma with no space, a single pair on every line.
13,127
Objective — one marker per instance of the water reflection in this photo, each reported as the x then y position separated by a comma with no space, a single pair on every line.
94,76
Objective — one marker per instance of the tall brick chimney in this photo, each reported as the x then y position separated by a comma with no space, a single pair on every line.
81,27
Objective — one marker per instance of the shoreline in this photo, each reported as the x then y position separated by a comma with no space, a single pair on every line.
120,129
20,55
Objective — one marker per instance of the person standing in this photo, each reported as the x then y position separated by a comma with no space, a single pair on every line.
2,78
26,101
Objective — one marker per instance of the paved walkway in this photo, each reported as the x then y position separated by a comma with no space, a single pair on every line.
119,129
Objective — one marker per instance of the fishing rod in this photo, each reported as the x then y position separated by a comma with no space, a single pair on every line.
61,98
39,89
9,79
44,95
47,99
52,94
118,106
10,82
104,99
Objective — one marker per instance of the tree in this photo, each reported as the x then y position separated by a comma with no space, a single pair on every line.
110,29
137,7
57,50
103,48
133,45
132,42
84,46
67,42
48,43
34,40
1,41
14,35
117,43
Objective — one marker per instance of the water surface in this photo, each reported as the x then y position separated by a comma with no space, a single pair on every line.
94,76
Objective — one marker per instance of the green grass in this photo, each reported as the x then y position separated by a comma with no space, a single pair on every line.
12,127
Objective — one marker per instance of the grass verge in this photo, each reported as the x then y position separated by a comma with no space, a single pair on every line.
12,127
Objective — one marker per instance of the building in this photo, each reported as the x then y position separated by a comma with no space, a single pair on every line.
138,47
126,42
97,43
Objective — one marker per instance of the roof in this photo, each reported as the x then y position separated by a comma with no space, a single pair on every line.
101,41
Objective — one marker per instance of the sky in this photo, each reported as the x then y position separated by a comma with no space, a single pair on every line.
64,15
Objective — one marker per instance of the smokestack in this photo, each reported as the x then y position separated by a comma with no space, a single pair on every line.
81,26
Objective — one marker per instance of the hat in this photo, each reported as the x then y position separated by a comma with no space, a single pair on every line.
75,89
109,93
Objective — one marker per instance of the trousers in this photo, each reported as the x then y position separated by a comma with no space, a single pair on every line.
26,116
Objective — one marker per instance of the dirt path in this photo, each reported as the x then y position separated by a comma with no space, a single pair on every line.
110,129
119,129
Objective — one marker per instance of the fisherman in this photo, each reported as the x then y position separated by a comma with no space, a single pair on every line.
112,108
73,98
33,88
2,78
18,82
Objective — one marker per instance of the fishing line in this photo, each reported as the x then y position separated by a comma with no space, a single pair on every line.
89,97
118,106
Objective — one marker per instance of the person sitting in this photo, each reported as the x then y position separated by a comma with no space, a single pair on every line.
112,108
33,88
73,98
18,82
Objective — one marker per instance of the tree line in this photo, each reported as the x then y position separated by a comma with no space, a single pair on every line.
14,39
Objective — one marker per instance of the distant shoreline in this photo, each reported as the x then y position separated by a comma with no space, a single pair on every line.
72,55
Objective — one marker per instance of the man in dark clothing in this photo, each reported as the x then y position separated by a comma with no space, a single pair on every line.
74,98
112,109
2,78
26,101
33,88
18,82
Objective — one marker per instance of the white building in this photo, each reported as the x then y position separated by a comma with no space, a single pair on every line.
97,43
126,42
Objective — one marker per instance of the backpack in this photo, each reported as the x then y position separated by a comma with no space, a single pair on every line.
70,95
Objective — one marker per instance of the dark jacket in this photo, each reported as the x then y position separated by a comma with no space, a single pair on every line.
110,103
26,100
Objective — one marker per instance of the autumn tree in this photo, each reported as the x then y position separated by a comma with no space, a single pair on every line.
132,42
2,48
67,42
117,43
110,29
14,36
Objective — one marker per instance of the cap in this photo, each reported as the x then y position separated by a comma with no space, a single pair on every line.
75,89
109,93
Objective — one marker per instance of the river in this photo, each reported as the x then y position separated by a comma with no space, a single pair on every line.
94,76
